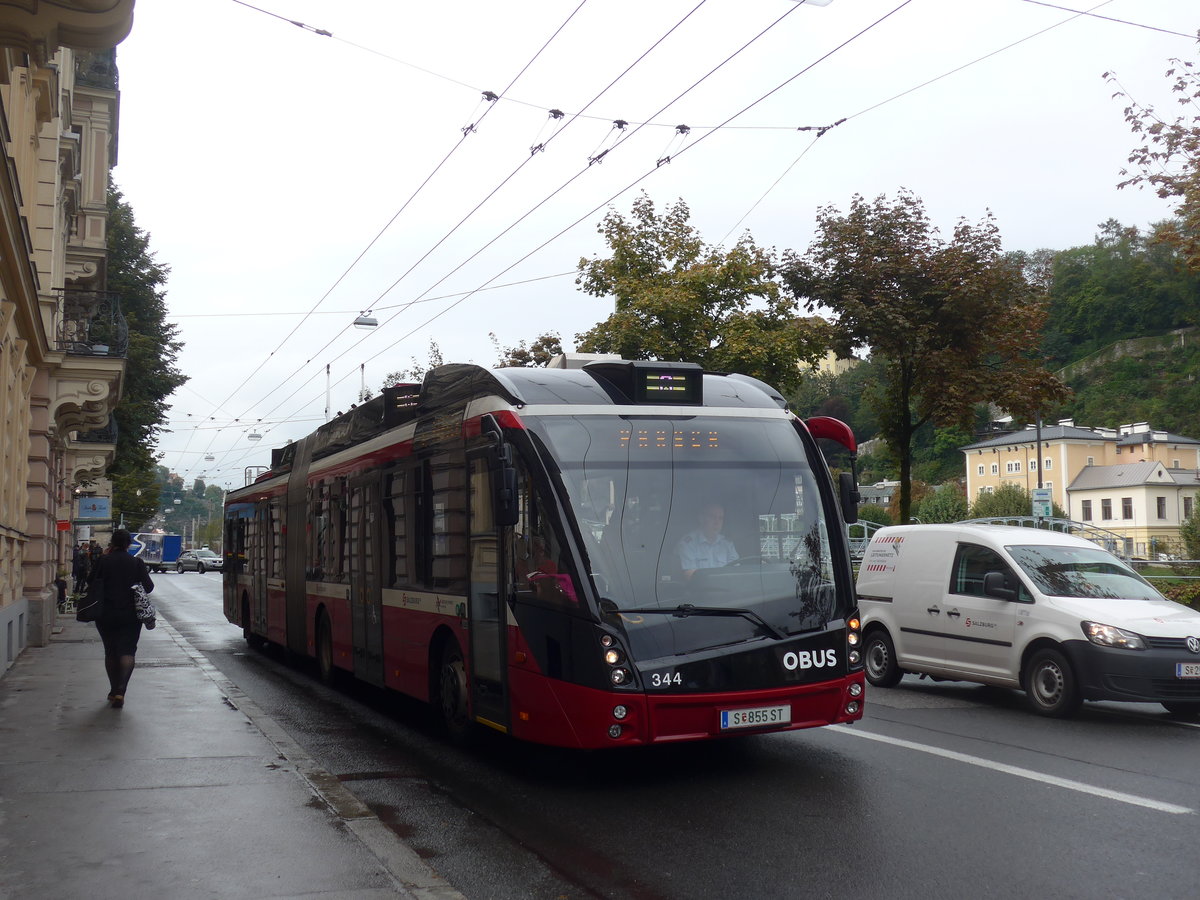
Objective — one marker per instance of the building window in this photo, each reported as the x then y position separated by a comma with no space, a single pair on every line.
981,470
1187,507
1085,510
1161,503
1175,464
1118,451
1046,464
1106,509
1012,466
995,468
1091,461
1126,507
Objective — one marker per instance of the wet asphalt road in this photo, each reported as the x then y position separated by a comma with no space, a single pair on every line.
943,790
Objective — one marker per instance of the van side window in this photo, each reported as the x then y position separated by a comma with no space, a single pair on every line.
972,562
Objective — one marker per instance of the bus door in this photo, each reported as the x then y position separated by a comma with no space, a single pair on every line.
256,559
366,595
488,610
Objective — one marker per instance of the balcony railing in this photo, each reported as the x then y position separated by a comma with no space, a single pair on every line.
92,324
97,68
104,435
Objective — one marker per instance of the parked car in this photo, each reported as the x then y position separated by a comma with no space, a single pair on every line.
1048,613
198,561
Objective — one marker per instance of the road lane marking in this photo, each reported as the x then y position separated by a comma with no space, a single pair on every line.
1067,783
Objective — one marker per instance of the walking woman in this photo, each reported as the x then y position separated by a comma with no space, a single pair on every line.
118,623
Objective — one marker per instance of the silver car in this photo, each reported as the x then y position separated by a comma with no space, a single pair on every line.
198,561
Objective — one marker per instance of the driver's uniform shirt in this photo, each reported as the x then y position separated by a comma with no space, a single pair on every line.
698,552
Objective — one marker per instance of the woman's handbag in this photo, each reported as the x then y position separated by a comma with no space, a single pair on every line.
89,608
143,608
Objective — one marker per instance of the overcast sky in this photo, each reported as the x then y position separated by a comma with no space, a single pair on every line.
264,158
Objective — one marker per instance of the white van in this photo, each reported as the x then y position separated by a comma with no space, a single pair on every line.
1048,613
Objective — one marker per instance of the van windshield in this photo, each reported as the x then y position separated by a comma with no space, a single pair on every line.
1081,572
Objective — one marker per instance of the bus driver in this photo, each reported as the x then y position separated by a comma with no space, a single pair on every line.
706,547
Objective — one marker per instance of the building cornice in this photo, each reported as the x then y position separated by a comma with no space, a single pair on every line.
39,28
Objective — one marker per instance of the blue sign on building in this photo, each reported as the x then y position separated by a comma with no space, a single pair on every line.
93,509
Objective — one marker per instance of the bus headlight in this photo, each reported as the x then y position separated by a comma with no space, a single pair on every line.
620,712
620,676
612,656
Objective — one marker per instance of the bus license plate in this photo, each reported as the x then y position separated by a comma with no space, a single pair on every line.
1187,670
755,718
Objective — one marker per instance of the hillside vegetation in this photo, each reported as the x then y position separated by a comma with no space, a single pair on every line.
1121,332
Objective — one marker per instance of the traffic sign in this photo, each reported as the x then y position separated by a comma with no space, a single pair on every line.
1043,503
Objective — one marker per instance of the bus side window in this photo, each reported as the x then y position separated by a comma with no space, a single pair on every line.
539,567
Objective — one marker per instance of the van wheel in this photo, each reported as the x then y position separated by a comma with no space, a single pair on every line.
452,694
879,653
178,568
1050,685
1182,708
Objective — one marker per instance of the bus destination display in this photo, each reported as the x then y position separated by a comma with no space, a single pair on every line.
673,387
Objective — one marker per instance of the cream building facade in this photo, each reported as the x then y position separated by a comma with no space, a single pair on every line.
62,337
1143,502
1134,480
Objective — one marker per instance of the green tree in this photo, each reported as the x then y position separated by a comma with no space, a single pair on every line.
945,504
416,372
1189,533
951,323
1168,159
1006,502
873,512
679,299
543,349
1123,285
151,374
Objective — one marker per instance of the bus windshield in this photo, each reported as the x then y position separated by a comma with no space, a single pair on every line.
699,517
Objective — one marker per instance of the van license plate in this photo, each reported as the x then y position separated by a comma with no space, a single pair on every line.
1187,670
755,718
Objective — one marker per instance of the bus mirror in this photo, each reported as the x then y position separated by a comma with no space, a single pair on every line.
505,508
848,491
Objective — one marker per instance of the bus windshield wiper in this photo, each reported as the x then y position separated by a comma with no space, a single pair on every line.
683,610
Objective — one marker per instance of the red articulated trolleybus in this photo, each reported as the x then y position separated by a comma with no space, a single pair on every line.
624,553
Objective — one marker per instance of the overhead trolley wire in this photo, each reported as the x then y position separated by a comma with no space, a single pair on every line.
524,162
1079,12
539,205
471,128
905,93
644,176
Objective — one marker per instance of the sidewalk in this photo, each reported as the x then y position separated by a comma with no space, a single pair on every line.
190,791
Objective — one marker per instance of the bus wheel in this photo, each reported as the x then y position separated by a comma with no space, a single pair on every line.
325,664
255,641
1050,685
452,693
879,653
